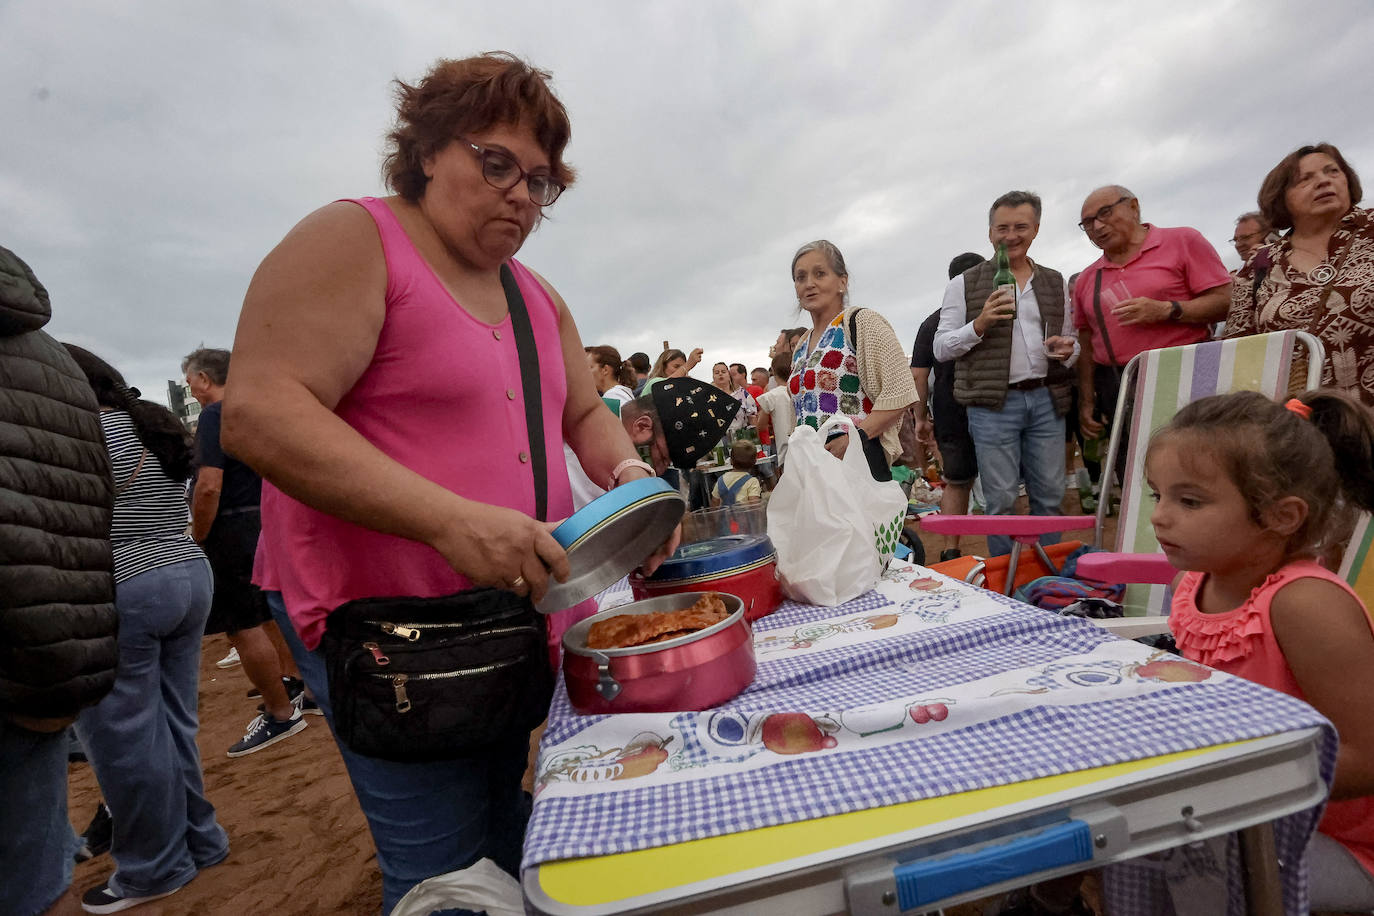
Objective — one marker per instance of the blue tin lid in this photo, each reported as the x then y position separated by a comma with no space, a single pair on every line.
610,536
717,555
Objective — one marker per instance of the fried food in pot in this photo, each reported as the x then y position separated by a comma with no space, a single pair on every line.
624,631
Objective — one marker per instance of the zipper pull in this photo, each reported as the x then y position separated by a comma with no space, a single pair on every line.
376,651
395,629
402,701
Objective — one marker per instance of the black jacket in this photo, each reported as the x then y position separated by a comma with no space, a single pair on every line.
57,615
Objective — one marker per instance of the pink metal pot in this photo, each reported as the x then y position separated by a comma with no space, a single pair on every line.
693,672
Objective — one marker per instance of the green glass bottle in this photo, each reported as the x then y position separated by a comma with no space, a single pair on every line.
1004,277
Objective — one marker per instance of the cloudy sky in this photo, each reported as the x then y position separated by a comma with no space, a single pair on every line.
152,152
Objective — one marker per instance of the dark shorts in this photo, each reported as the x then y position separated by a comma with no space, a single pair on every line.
238,604
957,457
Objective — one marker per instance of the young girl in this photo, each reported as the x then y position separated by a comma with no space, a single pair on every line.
1249,494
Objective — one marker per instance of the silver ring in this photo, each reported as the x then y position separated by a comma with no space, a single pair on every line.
519,583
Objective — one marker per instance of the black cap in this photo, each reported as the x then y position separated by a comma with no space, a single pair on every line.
694,417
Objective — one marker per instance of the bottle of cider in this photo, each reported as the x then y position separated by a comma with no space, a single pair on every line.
1004,279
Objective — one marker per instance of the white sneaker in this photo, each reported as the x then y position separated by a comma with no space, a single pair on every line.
230,660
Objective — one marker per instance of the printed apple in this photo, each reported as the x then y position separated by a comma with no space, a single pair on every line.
794,733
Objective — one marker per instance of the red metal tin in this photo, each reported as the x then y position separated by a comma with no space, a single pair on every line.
692,672
743,565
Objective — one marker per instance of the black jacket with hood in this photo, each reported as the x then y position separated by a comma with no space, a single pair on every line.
57,614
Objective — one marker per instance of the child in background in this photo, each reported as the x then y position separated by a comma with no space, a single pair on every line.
776,412
1249,494
738,485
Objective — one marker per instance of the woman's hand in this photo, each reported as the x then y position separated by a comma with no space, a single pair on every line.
693,358
837,445
502,548
664,551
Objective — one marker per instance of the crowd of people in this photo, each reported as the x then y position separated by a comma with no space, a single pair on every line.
335,467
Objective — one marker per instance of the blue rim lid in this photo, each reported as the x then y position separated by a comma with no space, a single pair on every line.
717,555
610,536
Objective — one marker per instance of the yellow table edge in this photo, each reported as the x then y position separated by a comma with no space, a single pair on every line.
621,876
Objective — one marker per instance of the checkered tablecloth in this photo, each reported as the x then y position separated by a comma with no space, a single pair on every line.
921,688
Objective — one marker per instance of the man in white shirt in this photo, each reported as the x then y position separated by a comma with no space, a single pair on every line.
1012,351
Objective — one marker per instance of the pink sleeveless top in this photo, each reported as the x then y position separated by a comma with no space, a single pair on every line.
442,397
1242,642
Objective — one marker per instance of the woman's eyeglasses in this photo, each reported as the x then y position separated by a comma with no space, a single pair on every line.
501,171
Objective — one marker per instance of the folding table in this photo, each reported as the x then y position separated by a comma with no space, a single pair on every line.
917,833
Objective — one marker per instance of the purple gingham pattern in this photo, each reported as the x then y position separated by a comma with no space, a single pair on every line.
1042,740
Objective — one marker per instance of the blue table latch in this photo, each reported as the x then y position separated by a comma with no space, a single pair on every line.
936,872
929,880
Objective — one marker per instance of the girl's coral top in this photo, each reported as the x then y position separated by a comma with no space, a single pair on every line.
1242,642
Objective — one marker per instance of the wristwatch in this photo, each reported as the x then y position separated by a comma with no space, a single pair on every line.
624,466
1175,310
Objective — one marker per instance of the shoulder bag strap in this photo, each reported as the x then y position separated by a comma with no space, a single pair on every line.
529,384
1101,322
854,330
134,476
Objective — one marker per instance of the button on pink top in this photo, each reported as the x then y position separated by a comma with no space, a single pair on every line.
1172,265
436,398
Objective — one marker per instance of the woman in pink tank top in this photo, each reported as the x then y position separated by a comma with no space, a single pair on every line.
1249,495
377,388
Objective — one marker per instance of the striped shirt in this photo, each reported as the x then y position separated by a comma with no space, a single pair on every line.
150,514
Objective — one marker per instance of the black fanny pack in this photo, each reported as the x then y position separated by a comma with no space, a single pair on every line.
415,679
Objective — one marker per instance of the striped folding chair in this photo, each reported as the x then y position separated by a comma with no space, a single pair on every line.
1355,568
1155,385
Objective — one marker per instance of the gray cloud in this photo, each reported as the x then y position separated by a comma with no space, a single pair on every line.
155,151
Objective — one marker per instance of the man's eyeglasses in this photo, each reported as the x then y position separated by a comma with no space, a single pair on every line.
1248,238
1087,222
501,171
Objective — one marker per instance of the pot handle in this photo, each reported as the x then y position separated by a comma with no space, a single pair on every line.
606,684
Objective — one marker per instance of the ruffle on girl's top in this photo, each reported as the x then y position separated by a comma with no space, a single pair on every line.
1217,638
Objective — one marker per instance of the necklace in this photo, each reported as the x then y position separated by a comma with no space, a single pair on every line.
1320,273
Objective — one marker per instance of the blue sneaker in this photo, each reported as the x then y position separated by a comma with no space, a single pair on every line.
265,731
306,705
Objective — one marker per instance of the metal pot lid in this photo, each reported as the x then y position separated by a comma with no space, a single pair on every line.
610,536
714,556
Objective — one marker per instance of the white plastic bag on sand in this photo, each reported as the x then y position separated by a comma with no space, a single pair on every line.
834,527
480,886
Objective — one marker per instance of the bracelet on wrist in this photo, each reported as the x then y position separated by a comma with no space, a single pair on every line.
624,466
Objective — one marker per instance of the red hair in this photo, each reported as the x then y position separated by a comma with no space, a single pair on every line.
458,97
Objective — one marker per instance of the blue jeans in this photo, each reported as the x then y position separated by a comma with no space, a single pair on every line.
427,819
1022,441
36,839
141,739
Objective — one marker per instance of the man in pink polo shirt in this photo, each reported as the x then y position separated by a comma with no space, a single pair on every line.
1153,287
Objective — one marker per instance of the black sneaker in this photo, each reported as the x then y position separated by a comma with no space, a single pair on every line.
96,838
950,553
103,900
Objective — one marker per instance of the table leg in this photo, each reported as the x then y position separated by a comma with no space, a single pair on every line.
1259,859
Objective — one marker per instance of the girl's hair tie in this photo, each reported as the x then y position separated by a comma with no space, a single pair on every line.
1299,408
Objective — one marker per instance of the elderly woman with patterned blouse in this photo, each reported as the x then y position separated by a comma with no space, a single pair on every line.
1319,276
850,363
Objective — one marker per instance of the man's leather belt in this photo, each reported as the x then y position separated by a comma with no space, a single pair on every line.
1028,384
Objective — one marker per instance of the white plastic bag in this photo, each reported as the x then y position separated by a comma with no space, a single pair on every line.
482,886
834,527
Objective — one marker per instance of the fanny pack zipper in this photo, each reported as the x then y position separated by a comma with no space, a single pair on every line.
398,681
411,631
